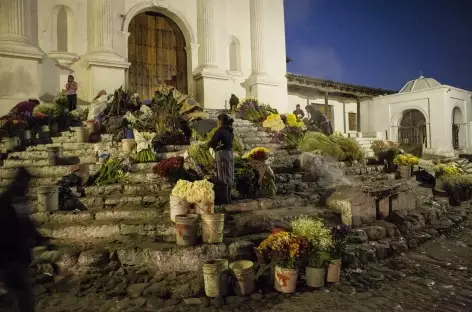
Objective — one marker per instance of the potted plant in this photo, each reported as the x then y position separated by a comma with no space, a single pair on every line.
41,122
339,237
405,162
11,129
441,171
316,269
320,242
285,253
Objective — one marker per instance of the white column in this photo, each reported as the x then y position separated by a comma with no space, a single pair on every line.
257,37
206,33
13,21
100,18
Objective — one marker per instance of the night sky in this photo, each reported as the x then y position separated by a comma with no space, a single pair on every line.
381,43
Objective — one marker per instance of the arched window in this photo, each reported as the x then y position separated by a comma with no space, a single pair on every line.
234,55
62,31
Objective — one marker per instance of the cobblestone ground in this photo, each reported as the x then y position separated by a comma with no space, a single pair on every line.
435,277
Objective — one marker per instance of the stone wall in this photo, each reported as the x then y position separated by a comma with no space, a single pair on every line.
360,205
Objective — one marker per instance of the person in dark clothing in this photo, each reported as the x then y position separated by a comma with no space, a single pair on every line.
299,112
25,107
222,143
16,233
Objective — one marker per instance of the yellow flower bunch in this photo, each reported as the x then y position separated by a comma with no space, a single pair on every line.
293,122
181,189
447,169
201,192
405,160
274,122
257,153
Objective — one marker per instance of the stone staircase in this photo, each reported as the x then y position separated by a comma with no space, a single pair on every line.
131,221
366,146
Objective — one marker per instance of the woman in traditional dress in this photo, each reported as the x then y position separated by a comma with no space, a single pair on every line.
222,143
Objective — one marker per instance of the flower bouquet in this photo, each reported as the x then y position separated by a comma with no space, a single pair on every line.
320,241
178,199
442,171
258,153
293,121
203,196
274,123
12,126
286,252
405,162
339,235
171,168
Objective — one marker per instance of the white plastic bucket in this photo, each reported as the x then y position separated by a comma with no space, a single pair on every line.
82,135
285,280
334,271
243,277
48,198
186,229
178,206
201,208
212,227
215,275
315,277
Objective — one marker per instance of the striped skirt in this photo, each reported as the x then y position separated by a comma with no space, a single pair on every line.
225,167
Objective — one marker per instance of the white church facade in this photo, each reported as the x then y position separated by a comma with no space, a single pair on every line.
211,48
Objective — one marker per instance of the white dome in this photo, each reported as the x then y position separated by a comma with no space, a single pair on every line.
420,84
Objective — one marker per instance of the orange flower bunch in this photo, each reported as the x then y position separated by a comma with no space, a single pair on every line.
40,115
284,248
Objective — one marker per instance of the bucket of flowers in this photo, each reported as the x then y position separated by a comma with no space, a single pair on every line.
11,130
320,243
442,171
284,252
405,162
339,236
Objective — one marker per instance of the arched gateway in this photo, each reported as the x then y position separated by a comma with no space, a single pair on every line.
156,51
412,129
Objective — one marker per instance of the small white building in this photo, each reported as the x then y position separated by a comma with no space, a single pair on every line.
211,48
340,102
423,114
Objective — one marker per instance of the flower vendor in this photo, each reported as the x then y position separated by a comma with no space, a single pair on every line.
299,112
25,107
222,143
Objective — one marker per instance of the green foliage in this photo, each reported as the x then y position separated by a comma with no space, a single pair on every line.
351,149
51,110
238,145
110,173
245,178
317,141
268,187
200,154
458,187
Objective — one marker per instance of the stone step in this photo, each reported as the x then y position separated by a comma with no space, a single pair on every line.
114,189
99,202
80,232
60,171
134,178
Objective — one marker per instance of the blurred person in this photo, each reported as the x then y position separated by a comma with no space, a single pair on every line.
17,236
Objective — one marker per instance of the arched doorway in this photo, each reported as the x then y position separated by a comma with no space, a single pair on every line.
156,51
412,129
458,128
